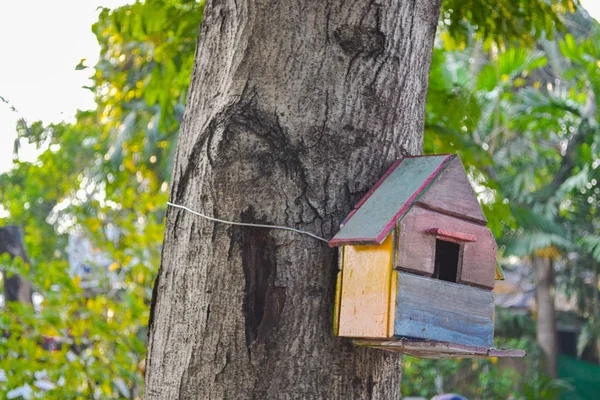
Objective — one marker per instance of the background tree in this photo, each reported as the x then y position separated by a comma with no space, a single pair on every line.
16,287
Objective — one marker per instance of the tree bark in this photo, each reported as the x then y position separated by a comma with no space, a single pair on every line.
15,287
546,320
295,109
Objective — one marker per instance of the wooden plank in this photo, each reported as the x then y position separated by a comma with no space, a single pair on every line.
380,210
480,260
416,247
431,309
336,306
338,292
365,295
426,349
416,251
506,353
457,237
393,288
452,193
437,349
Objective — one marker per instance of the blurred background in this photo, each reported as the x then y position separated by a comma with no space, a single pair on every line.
92,94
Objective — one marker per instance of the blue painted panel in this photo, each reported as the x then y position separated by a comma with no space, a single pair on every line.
431,309
375,215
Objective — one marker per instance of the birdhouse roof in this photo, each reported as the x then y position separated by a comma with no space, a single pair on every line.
391,197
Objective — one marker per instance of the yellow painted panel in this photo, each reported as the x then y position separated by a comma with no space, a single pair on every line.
365,299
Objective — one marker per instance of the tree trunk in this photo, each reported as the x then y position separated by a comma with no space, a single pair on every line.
295,109
546,320
15,287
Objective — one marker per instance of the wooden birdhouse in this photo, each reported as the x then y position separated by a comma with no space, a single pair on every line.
418,264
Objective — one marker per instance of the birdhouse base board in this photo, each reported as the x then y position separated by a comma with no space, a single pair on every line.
435,349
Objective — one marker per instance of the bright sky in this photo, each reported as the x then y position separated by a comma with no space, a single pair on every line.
592,7
41,42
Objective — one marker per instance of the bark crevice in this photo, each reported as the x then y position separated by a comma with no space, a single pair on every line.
264,300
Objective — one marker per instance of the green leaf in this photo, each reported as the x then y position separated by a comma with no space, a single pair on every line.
585,337
80,66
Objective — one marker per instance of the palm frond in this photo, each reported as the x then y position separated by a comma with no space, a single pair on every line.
591,243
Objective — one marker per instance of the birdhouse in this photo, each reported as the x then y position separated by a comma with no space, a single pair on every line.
418,264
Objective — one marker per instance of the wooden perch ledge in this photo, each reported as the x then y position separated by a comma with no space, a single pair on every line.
434,349
453,236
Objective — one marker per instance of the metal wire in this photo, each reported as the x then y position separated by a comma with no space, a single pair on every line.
286,228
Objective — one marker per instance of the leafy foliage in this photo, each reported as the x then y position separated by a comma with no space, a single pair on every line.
525,121
103,178
478,378
504,21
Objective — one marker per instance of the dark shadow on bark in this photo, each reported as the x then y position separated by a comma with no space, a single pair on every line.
263,301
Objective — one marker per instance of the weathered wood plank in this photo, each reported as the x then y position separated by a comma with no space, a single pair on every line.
338,292
366,281
417,247
457,237
452,193
479,260
431,309
381,208
436,349
506,353
393,289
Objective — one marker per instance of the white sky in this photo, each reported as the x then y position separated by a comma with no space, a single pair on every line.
41,42
592,7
